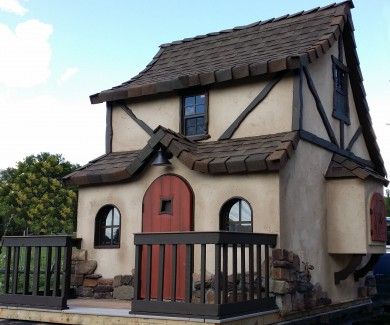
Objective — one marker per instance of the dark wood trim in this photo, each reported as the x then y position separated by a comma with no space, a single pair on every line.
340,49
342,136
109,130
320,107
366,268
141,123
325,144
297,100
337,64
354,138
252,105
353,263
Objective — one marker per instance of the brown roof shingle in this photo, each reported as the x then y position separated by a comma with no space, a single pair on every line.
262,47
244,155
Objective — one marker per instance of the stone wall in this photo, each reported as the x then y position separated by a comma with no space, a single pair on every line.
291,283
87,284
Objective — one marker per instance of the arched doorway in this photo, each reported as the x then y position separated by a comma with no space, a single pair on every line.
167,207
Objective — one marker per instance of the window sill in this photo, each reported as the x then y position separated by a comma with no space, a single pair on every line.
106,247
198,137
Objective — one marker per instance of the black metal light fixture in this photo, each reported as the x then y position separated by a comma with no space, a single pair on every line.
162,158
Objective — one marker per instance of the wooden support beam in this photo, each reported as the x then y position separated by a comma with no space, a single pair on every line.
141,123
320,107
109,131
297,100
256,101
353,263
366,268
354,138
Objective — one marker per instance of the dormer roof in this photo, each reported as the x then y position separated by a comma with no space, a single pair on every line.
263,47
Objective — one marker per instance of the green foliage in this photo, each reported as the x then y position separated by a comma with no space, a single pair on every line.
387,202
32,196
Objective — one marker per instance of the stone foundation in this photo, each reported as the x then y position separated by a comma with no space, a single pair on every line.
87,284
291,284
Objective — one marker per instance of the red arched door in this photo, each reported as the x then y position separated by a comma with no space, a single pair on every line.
167,207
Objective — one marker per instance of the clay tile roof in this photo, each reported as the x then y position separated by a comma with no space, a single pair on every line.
262,47
266,153
342,167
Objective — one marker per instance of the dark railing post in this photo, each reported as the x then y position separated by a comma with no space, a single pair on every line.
15,275
202,273
217,276
266,280
174,267
148,270
26,275
251,271
189,270
161,260
234,272
137,267
37,257
57,270
258,267
243,294
48,271
7,269
225,273
65,284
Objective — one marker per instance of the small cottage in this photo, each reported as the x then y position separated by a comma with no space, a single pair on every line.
231,143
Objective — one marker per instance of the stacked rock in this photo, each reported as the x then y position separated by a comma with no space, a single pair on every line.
292,286
123,287
369,288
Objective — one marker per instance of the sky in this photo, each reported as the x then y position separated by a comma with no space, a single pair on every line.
54,54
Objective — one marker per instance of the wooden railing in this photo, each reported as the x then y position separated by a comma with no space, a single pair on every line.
36,271
163,261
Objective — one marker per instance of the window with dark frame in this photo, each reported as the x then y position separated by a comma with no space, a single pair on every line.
107,227
340,92
165,206
194,110
236,215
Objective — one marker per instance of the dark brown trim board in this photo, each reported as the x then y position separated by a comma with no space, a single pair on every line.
342,136
349,269
354,138
252,105
325,144
297,100
141,123
109,131
320,107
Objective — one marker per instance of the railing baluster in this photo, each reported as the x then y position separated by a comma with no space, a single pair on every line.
243,294
258,267
27,262
251,272
202,273
266,280
174,267
7,268
137,273
161,260
234,273
148,271
217,276
37,260
57,270
48,271
189,269
65,282
225,273
15,274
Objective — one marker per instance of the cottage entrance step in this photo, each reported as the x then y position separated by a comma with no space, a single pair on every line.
167,207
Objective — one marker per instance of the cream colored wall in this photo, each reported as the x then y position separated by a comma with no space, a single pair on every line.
273,115
261,191
322,76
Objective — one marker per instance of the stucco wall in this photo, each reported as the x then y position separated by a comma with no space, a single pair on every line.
261,191
273,115
322,76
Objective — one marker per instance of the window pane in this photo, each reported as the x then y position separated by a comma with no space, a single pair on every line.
115,240
191,130
234,212
108,235
189,110
199,109
190,122
245,211
109,217
200,99
116,217
189,101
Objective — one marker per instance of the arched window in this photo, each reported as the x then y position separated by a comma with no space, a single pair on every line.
236,215
107,227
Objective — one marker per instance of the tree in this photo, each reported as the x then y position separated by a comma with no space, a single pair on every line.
387,202
33,198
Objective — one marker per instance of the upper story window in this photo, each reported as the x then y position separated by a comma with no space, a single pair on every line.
194,115
236,215
340,92
107,227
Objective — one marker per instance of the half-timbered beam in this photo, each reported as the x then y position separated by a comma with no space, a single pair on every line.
297,112
354,138
141,123
320,107
109,131
256,101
